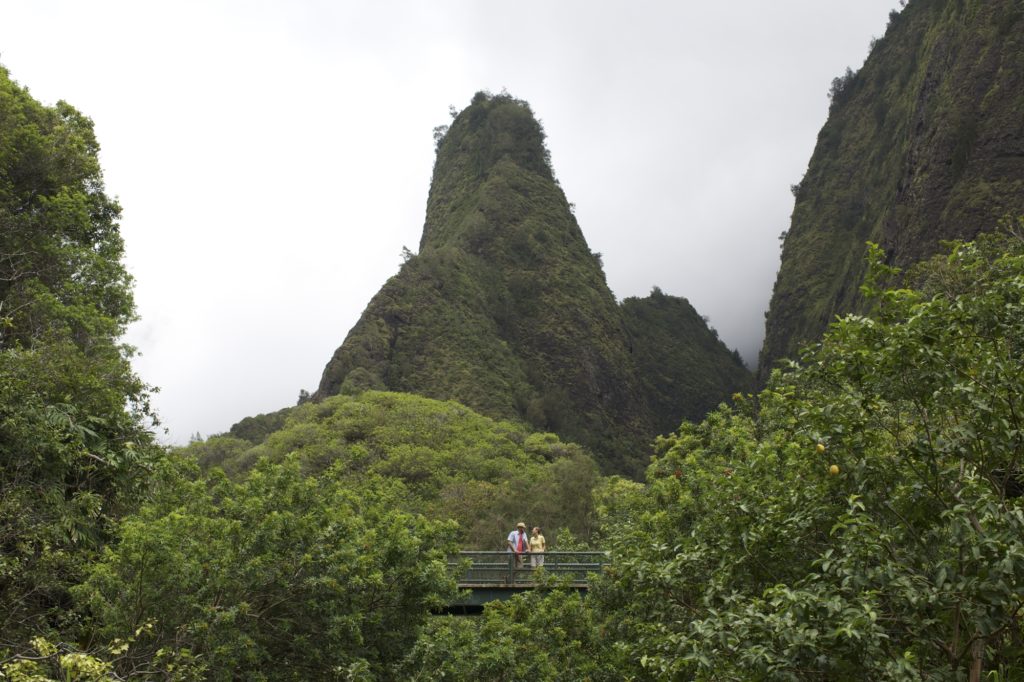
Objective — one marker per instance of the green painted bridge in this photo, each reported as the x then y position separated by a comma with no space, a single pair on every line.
486,576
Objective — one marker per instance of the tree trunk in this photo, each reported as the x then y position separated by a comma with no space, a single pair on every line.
977,653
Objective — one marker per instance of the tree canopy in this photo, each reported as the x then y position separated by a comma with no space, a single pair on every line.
454,463
280,577
859,519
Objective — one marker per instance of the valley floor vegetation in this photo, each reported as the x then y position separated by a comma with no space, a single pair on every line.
859,518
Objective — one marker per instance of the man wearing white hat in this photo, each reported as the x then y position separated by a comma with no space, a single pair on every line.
519,543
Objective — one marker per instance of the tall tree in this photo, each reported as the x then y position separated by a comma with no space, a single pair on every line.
74,417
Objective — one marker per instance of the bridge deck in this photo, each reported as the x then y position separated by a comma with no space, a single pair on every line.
494,570
487,576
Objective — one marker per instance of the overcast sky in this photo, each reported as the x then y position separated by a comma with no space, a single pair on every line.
273,158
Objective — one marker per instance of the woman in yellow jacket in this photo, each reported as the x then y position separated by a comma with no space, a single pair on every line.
537,547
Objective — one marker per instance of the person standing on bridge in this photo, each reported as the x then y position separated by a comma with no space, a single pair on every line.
537,548
518,543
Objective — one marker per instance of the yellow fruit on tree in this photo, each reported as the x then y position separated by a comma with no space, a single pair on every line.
821,447
833,470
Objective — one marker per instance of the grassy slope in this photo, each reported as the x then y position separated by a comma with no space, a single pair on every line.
452,462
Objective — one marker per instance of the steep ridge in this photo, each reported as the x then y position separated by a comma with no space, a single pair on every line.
505,308
682,364
925,143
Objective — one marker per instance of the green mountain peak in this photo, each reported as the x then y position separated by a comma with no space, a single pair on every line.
505,308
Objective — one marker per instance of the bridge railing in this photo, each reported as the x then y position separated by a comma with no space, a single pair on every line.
505,569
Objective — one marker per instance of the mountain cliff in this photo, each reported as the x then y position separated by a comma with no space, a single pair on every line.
682,365
505,308
924,143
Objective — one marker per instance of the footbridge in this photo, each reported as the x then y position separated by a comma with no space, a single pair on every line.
486,576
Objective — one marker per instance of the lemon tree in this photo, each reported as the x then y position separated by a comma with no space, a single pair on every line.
748,556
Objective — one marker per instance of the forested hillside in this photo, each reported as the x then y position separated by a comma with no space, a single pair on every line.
924,143
454,463
506,310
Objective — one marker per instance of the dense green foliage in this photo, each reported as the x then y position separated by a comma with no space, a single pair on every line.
506,310
748,556
906,564
74,444
452,462
283,577
544,635
924,143
256,429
